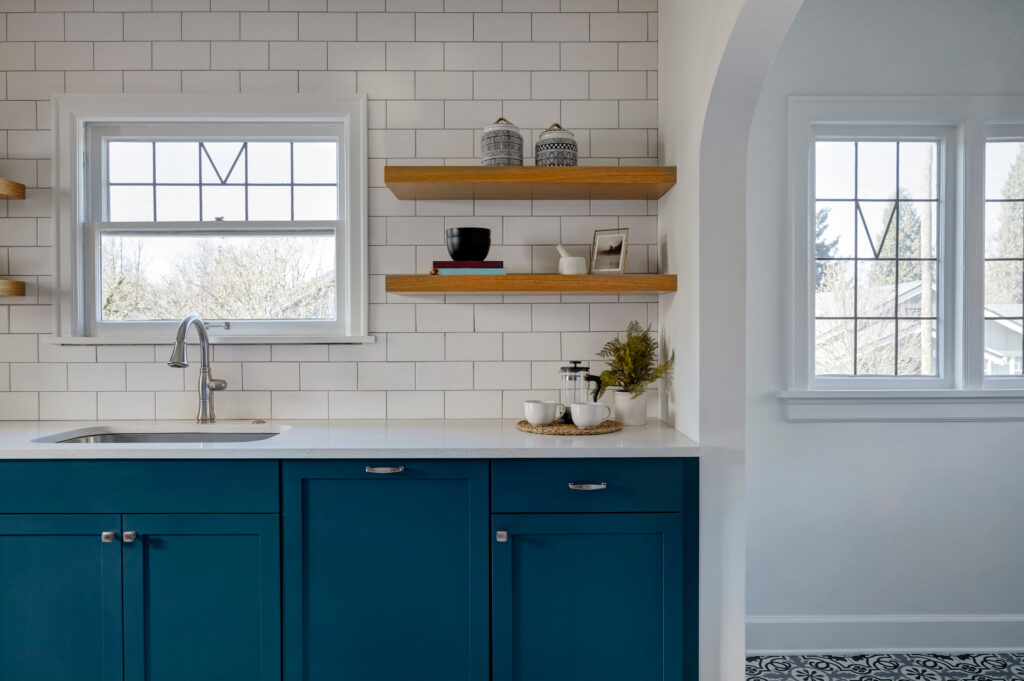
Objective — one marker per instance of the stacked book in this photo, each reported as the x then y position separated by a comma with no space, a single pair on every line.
469,267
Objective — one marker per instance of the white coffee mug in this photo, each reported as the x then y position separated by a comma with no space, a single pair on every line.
589,414
542,412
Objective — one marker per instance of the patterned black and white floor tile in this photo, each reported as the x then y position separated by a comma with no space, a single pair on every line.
976,667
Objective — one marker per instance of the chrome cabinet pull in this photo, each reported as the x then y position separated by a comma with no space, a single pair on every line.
588,486
501,535
129,536
108,536
384,470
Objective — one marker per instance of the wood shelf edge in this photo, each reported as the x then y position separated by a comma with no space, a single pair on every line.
549,284
9,287
9,189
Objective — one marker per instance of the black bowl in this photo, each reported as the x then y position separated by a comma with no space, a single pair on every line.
468,243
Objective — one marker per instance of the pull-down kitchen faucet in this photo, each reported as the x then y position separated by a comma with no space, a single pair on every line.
207,383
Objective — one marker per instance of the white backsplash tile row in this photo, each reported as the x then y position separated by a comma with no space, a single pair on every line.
436,73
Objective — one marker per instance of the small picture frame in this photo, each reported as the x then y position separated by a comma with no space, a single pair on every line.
608,253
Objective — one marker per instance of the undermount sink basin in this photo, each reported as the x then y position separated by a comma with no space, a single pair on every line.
166,433
157,438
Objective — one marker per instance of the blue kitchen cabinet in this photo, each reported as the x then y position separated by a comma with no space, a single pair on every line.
60,598
202,598
185,584
594,597
386,570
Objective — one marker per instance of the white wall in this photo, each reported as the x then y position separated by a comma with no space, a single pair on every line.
880,536
435,72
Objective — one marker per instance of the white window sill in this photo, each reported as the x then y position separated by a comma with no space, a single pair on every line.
214,340
902,405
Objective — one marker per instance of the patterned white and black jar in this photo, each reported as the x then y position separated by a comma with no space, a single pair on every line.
501,144
556,146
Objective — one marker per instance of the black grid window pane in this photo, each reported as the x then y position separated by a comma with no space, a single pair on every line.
193,180
876,257
1004,258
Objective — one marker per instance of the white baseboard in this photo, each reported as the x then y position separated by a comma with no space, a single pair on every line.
852,634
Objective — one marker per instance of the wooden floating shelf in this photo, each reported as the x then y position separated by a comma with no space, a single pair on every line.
542,284
9,189
529,182
11,288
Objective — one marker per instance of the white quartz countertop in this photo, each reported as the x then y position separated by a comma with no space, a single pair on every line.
427,439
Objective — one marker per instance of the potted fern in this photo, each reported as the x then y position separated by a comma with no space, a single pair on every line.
633,365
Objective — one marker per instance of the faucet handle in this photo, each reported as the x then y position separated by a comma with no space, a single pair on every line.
218,384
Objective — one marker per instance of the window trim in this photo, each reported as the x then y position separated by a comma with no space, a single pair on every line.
967,394
71,115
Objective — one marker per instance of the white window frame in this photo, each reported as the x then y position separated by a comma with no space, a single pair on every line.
961,391
75,191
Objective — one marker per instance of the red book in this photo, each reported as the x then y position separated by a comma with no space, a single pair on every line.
468,263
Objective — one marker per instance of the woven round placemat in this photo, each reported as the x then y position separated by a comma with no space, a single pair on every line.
569,428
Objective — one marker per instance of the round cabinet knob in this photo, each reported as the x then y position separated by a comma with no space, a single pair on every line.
130,536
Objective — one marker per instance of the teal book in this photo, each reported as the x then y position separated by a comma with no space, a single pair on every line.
472,270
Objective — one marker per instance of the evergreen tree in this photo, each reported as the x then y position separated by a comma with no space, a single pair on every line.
1002,283
823,247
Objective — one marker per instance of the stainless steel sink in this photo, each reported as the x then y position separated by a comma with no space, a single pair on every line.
158,438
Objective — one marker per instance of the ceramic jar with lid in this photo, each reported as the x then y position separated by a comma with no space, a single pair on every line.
501,144
556,146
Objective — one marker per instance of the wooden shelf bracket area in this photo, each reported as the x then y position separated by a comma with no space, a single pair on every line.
543,284
11,288
9,189
529,182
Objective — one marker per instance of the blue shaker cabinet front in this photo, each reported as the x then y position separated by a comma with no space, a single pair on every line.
386,570
60,598
202,598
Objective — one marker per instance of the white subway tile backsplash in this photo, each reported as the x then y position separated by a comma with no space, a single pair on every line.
562,27
415,404
589,64
444,375
270,26
444,84
387,376
100,376
501,375
507,26
65,406
529,346
289,56
328,375
388,26
532,56
357,405
125,406
472,56
307,404
473,346
415,56
450,27
19,406
411,347
502,317
472,404
447,318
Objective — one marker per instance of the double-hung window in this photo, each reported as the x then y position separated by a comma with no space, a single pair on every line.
248,212
908,258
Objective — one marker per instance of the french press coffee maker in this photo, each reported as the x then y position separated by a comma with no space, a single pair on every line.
576,385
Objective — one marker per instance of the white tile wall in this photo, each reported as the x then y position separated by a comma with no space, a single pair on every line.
436,72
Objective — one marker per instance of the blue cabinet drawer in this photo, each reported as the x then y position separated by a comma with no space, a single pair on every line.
593,485
139,487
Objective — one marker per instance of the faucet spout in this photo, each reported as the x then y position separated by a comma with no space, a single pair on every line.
179,359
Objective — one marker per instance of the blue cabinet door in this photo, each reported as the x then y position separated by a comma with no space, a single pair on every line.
202,598
593,597
60,598
386,573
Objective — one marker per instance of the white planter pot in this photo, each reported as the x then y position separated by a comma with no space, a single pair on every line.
630,411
